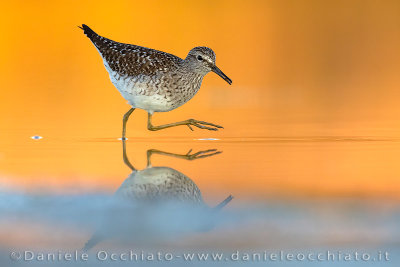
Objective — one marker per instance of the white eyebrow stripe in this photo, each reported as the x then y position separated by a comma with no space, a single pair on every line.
208,59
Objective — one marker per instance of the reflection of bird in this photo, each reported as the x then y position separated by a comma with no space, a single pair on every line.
155,81
153,187
158,183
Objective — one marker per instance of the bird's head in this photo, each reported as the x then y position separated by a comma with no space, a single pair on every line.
202,60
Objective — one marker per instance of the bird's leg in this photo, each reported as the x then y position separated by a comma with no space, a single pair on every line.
187,156
124,121
125,156
189,123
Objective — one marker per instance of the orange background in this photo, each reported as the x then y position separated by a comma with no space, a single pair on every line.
300,69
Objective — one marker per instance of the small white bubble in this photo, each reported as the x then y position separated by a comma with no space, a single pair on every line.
207,139
36,137
123,138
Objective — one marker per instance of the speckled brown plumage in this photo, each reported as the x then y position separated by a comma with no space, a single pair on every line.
132,60
150,79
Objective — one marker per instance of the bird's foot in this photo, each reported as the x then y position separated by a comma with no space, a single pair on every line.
203,125
201,154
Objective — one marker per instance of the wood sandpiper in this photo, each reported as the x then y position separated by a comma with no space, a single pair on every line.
153,80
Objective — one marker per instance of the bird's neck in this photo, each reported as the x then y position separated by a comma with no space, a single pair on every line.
193,78
196,80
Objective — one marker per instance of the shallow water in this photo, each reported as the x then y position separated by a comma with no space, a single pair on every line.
291,194
310,150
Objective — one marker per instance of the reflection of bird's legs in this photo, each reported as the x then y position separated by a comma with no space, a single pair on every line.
187,156
189,123
124,121
125,156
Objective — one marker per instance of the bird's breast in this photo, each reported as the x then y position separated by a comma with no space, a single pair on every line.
158,93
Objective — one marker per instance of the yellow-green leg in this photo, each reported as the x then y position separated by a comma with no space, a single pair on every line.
188,123
124,121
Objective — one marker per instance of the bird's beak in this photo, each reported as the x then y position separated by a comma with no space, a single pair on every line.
224,202
221,74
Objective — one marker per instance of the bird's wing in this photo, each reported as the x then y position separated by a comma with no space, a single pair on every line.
132,60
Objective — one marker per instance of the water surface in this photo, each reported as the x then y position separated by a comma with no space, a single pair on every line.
304,193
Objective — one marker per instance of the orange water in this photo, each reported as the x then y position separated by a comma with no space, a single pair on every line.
300,71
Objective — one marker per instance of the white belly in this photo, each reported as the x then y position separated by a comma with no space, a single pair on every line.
140,92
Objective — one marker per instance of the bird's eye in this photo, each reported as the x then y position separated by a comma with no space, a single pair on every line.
199,58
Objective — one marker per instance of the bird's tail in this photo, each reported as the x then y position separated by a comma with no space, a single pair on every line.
87,31
94,37
92,242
